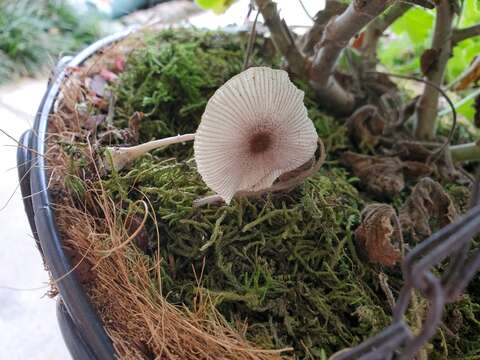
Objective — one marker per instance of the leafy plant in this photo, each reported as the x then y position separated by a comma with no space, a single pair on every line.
33,34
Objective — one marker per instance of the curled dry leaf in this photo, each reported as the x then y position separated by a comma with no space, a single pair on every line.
382,175
134,125
379,175
365,126
427,205
375,234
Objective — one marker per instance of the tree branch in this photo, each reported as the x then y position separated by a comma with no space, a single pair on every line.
282,37
375,30
336,36
427,107
466,152
464,34
314,34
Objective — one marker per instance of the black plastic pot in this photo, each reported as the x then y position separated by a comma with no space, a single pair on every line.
81,327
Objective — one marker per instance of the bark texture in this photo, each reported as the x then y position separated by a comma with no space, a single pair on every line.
282,37
464,34
336,37
427,108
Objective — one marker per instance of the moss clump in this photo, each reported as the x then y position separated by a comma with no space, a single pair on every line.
286,264
171,79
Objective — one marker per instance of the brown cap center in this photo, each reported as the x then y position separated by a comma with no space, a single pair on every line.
260,142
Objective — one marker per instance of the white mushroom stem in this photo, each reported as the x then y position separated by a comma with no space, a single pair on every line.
119,157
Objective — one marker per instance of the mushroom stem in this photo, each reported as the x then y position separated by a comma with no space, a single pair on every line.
119,157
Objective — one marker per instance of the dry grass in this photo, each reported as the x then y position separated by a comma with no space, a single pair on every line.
122,282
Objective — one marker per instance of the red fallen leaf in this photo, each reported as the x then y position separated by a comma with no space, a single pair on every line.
358,42
108,75
375,233
119,63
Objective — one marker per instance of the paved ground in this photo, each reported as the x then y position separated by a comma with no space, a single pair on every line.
28,325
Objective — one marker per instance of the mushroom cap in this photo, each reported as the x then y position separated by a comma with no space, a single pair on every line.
254,128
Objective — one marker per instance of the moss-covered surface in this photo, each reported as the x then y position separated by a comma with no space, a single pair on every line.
286,265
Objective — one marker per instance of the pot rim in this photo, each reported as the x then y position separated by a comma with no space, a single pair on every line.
81,318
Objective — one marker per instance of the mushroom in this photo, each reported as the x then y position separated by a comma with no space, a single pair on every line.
254,129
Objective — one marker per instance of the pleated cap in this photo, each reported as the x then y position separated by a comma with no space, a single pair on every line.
254,128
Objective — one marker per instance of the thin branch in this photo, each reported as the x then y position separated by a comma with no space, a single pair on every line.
305,10
251,42
282,37
464,34
427,107
314,34
447,98
375,30
336,36
468,77
466,152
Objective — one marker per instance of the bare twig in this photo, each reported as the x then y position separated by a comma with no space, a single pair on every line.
305,10
251,42
466,33
336,36
468,77
427,107
375,30
282,37
314,34
466,152
439,90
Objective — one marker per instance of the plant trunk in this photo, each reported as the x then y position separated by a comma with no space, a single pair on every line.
427,108
336,36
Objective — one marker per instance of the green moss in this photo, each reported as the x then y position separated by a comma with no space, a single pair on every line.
285,264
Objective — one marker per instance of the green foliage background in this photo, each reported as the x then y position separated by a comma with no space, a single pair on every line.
412,34
33,34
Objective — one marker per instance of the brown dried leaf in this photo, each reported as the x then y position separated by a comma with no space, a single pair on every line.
365,126
428,61
428,202
380,175
134,125
374,235
470,76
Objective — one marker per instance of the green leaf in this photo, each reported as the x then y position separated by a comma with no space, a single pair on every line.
417,23
471,13
467,109
218,6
